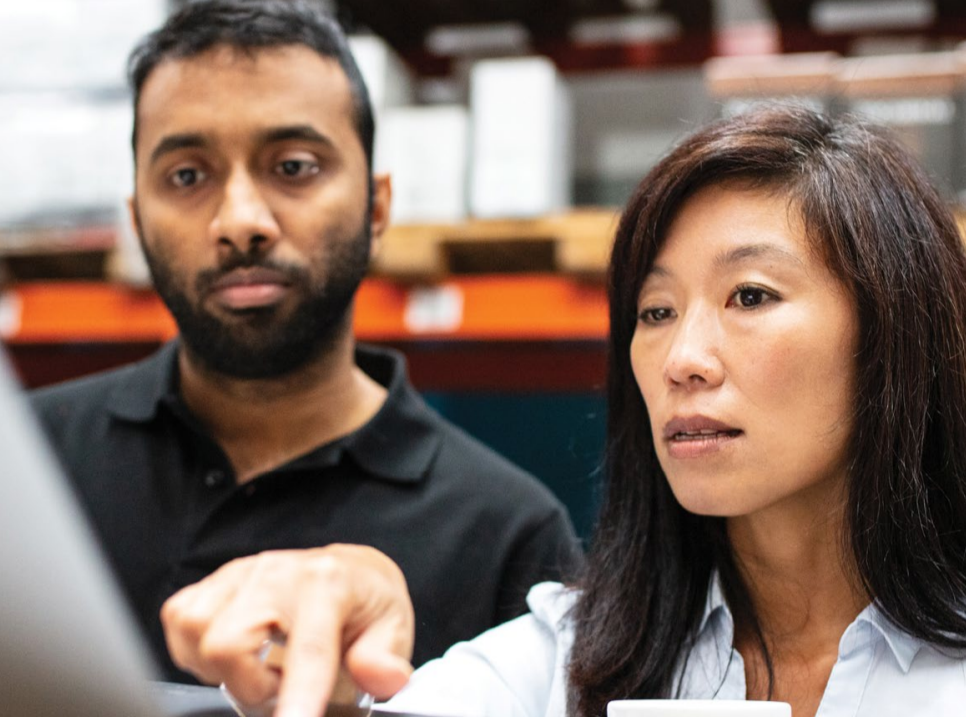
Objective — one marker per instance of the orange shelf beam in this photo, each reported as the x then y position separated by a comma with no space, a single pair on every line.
78,312
536,307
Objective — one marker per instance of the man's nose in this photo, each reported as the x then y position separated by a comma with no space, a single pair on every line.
244,221
693,360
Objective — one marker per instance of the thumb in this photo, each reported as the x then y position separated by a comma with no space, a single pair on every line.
376,664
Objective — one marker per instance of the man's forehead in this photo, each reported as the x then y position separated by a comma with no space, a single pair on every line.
279,66
274,85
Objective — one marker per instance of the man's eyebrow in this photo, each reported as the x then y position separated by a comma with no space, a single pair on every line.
302,132
755,251
189,140
174,142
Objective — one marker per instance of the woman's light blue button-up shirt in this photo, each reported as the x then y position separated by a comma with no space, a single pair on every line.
519,669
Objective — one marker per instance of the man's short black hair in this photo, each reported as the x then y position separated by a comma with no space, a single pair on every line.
249,25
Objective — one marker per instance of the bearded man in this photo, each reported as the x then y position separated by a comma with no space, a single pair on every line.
264,426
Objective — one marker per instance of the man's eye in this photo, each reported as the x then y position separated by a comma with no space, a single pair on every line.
656,315
186,177
297,168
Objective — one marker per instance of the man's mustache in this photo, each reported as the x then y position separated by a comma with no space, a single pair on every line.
295,275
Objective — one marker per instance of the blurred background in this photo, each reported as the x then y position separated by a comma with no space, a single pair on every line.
514,129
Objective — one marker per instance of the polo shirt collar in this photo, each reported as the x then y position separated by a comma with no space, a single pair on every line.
139,394
402,440
399,443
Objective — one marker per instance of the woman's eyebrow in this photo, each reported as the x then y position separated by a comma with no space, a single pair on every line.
733,257
747,252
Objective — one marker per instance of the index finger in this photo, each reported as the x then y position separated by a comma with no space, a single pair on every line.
313,652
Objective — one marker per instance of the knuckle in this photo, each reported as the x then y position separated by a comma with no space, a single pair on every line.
190,622
216,651
311,651
325,569
169,612
174,606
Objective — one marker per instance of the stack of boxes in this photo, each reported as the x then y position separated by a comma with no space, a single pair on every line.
921,97
507,154
744,82
522,158
65,114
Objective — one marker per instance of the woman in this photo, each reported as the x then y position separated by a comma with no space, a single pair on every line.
785,514
876,234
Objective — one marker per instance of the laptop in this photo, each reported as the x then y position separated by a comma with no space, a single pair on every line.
68,644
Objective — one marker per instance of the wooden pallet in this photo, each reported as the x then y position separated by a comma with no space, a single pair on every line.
575,243
69,252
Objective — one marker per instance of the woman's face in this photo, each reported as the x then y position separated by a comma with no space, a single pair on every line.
744,354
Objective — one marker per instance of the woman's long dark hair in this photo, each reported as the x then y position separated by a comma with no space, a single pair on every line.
871,212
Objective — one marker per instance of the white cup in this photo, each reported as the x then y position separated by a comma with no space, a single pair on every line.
697,708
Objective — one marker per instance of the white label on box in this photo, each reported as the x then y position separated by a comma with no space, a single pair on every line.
434,309
11,314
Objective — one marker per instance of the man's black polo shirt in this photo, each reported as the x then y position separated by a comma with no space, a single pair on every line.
470,531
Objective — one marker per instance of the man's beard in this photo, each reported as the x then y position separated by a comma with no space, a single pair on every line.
262,345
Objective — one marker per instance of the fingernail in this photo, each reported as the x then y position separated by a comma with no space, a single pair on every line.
293,711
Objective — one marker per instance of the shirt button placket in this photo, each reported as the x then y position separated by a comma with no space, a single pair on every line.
215,478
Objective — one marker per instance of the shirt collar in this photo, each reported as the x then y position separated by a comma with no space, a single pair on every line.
138,395
904,646
399,443
715,603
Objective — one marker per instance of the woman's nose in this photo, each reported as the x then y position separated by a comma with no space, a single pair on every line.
693,360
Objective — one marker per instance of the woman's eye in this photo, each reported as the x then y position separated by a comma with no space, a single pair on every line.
186,177
295,168
749,297
656,315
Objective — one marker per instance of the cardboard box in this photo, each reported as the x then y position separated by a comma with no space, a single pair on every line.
521,148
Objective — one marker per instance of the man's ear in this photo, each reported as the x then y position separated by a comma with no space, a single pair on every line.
381,206
132,217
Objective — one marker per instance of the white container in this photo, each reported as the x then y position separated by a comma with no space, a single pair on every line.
387,79
425,150
66,158
697,708
71,44
522,150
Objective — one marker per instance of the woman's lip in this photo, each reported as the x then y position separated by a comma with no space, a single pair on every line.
689,426
701,445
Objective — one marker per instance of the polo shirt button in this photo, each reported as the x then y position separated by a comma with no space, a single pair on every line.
214,478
